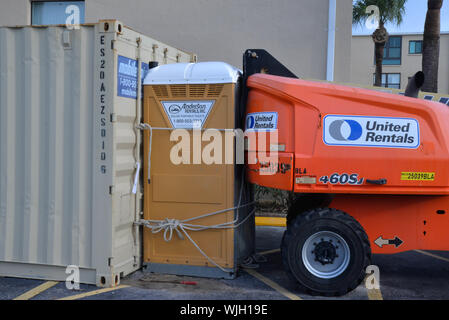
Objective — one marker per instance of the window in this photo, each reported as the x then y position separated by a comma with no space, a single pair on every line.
57,12
415,47
390,80
444,100
392,51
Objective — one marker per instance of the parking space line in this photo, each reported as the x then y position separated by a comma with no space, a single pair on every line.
432,255
93,293
273,285
374,294
271,221
35,291
269,252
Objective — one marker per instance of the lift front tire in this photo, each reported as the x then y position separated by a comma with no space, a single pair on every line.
306,201
326,252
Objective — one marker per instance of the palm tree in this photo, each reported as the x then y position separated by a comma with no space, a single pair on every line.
389,11
431,46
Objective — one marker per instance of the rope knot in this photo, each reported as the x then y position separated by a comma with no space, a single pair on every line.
168,225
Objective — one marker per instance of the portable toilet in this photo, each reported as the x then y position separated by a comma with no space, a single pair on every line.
198,216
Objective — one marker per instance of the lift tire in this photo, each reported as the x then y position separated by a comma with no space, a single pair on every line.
307,201
326,251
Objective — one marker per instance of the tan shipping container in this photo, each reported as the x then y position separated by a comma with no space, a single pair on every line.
69,149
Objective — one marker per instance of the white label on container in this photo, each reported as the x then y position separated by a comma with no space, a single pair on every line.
188,114
381,132
262,121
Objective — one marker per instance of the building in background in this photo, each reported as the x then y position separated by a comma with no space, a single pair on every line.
312,38
402,59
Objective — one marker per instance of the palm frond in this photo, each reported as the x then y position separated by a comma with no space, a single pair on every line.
390,11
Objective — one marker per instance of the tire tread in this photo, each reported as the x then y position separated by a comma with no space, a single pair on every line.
333,214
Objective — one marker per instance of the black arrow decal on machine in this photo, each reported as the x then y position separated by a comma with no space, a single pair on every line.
397,242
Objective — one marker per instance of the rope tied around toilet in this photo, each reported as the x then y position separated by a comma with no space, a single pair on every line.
181,227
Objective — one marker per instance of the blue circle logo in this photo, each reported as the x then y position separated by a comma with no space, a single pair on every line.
174,109
250,122
338,131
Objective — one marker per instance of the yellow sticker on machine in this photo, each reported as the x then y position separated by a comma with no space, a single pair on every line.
418,176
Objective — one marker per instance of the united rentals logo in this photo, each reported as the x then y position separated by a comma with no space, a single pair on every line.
337,132
381,132
264,121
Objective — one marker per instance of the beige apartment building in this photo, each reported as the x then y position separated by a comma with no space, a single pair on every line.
312,38
402,59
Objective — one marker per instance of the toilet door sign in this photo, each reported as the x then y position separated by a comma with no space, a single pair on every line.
188,114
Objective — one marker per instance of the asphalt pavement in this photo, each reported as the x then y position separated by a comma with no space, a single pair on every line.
410,275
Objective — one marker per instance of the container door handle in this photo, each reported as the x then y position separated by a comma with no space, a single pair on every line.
379,182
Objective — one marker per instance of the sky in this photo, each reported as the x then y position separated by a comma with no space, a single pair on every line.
414,19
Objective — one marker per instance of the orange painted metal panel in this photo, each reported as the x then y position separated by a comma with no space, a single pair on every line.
278,171
303,107
420,222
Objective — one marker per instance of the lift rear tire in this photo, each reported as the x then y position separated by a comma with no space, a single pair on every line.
326,252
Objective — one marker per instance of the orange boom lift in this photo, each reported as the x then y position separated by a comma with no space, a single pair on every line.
370,171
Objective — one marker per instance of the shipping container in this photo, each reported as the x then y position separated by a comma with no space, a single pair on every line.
70,151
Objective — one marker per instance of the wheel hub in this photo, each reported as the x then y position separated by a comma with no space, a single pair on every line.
325,252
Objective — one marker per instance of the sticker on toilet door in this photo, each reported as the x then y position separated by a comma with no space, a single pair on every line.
188,114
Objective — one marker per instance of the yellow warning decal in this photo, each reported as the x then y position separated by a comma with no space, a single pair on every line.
418,176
